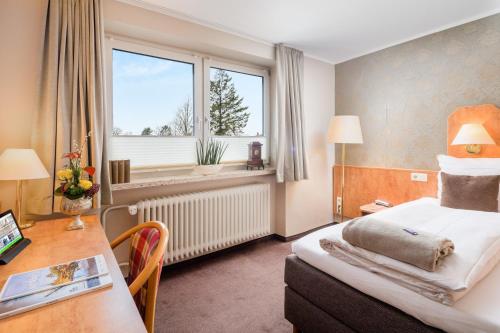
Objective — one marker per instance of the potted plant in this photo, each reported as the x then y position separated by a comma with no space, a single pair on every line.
76,188
209,155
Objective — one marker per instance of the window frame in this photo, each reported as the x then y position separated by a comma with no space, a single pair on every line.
201,88
224,65
125,46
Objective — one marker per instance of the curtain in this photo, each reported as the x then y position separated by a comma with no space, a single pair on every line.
72,96
290,147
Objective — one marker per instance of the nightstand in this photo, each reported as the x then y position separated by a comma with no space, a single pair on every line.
371,208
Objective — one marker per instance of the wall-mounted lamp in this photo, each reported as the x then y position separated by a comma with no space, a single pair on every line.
473,136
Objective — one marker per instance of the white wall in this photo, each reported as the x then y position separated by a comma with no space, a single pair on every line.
298,206
20,60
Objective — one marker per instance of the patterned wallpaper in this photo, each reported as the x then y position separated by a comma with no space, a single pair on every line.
403,94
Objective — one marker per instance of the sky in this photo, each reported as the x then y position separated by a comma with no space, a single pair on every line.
147,92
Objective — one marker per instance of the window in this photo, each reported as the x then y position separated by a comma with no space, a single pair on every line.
152,96
237,107
236,103
159,110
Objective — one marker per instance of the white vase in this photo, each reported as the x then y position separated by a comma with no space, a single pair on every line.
75,208
208,170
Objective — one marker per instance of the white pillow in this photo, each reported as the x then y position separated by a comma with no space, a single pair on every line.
479,166
467,167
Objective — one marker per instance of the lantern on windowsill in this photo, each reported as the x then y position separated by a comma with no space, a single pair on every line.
255,156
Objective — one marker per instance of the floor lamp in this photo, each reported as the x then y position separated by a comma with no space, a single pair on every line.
344,130
21,165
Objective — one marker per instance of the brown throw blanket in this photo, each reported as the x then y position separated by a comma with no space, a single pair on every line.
413,247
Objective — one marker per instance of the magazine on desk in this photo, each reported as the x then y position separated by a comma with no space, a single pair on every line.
36,300
47,278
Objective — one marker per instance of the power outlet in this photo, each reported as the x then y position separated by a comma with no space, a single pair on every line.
338,207
418,177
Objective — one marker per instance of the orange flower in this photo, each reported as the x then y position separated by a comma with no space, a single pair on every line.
90,170
72,155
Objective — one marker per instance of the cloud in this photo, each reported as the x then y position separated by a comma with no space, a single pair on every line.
144,68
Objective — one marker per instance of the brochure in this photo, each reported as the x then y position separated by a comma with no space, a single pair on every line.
36,300
38,280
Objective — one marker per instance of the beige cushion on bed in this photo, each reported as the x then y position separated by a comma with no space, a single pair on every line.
467,167
470,192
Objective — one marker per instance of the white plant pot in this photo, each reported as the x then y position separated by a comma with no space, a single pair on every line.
208,170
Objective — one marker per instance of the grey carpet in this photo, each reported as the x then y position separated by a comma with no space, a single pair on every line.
239,291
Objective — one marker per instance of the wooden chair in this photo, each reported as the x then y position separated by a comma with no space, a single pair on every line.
148,244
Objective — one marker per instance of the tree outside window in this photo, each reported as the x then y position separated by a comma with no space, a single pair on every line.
228,114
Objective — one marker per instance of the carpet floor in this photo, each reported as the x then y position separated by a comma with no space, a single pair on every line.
238,291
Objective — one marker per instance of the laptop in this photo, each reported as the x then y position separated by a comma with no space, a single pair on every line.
12,240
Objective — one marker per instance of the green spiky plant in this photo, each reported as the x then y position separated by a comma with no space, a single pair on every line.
210,152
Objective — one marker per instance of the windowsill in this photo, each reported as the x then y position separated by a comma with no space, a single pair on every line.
180,169
147,182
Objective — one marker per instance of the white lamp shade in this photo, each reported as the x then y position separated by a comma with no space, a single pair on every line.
345,129
473,134
21,164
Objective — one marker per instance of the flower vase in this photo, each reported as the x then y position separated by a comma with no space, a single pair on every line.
75,208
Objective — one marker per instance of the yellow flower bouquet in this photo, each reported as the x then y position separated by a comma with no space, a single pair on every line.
76,181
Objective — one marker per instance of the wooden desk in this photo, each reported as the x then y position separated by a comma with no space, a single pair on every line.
108,310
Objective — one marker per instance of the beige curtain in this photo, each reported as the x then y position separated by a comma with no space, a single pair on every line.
289,127
72,96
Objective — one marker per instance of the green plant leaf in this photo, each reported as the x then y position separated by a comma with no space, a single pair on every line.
210,152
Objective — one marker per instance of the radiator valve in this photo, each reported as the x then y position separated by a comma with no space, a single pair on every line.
132,210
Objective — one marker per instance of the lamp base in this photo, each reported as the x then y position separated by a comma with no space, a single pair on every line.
26,224
473,149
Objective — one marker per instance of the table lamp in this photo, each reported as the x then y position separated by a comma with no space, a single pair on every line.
344,129
20,165
473,136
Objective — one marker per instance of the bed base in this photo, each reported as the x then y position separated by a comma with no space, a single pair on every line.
317,302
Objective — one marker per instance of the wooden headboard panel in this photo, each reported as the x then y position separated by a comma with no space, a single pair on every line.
488,115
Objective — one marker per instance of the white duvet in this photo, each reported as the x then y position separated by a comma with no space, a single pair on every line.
476,236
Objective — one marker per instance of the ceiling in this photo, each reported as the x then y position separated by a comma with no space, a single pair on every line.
331,30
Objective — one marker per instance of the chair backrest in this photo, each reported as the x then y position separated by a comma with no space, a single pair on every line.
148,244
142,245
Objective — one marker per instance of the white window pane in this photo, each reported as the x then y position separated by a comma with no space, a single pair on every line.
152,96
237,148
154,151
236,103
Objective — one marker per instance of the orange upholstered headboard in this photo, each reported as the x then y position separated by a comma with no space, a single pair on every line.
488,115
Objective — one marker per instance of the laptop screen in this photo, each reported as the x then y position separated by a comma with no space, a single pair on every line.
9,232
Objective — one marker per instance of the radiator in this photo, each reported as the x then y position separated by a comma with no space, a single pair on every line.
205,222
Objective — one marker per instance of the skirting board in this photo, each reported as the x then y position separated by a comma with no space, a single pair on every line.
302,234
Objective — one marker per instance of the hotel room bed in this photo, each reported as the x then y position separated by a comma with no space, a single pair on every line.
317,302
325,294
